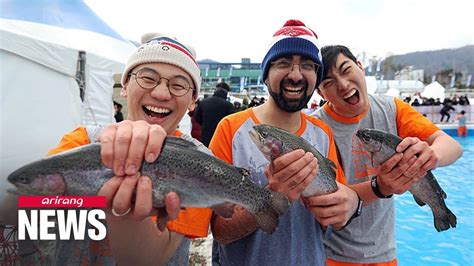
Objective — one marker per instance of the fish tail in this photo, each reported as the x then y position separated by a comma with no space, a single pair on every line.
444,220
279,203
267,219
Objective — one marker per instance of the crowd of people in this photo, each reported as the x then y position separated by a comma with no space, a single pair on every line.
438,114
161,84
418,100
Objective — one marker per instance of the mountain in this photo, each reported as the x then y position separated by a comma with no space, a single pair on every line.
460,59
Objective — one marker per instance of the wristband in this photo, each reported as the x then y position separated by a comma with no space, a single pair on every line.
376,190
357,212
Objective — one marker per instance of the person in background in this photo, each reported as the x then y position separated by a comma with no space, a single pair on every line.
245,103
462,124
370,239
196,131
211,110
254,102
237,106
447,106
118,112
415,103
161,82
291,69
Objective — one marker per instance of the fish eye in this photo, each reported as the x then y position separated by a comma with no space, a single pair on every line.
264,134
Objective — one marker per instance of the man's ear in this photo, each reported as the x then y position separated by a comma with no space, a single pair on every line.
192,106
320,93
360,66
123,91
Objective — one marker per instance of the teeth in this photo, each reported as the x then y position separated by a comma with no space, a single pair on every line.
157,110
350,94
293,90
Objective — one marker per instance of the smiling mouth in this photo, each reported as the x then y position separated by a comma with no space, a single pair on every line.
293,91
352,97
155,111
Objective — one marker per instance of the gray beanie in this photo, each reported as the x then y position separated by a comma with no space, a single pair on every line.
157,48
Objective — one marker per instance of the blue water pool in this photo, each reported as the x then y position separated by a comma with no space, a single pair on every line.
418,242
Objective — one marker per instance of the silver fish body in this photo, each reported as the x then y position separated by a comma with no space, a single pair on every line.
274,142
426,191
199,179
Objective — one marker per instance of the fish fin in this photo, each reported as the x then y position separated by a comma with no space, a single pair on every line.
162,219
436,184
267,219
180,142
419,201
446,220
372,159
225,210
279,203
330,163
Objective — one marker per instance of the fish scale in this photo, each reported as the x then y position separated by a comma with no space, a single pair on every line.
199,179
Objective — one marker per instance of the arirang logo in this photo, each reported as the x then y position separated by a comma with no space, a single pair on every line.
38,215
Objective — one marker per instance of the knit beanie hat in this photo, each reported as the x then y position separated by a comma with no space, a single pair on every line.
157,48
294,38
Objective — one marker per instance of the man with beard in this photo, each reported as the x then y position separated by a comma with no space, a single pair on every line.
370,240
291,70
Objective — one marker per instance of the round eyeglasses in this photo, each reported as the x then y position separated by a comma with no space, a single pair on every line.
148,79
286,66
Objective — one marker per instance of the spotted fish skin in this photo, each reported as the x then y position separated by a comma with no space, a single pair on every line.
199,179
274,142
383,145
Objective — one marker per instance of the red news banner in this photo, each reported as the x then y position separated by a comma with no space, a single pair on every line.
80,218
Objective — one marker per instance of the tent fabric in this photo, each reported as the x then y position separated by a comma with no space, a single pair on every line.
39,95
403,86
434,90
64,14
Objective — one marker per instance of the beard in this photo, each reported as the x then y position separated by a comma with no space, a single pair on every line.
291,105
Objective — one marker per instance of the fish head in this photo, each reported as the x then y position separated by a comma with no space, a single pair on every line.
34,179
267,140
371,139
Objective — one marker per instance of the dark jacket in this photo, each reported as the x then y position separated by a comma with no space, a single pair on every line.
210,111
118,117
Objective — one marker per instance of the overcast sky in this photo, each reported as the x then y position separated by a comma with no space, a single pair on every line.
226,31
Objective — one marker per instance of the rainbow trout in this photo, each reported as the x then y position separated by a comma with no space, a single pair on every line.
383,145
199,179
274,142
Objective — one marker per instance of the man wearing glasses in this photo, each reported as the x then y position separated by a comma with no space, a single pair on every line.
292,71
161,82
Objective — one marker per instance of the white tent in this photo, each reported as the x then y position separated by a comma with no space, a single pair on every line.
394,92
57,62
434,90
371,84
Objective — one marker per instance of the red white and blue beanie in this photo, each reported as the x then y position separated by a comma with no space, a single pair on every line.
157,48
294,38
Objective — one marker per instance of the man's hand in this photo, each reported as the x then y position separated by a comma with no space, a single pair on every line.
426,158
390,178
333,209
291,173
119,191
126,144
